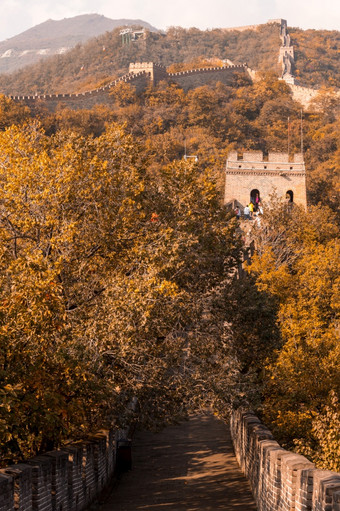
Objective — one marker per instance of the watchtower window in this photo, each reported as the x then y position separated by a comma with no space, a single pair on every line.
289,196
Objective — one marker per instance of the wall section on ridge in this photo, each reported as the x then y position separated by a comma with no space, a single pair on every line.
140,76
84,100
207,76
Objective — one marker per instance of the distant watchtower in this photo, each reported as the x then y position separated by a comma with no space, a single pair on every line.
253,175
128,35
156,72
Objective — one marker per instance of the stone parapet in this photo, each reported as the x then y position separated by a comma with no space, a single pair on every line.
211,75
140,75
254,160
252,174
63,480
280,480
89,98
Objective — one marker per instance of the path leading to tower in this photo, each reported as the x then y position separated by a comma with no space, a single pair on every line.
187,467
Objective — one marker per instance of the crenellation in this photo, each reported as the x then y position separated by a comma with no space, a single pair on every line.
253,156
41,482
252,173
62,480
278,157
140,74
280,480
22,478
6,492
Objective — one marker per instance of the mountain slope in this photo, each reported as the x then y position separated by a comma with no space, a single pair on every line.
104,58
317,57
56,37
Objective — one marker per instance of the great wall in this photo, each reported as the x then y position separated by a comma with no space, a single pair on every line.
75,476
141,74
280,480
72,478
68,479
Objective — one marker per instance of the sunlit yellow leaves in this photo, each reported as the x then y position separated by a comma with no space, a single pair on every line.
306,369
272,279
105,267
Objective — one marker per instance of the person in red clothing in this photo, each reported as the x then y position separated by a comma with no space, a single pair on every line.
154,217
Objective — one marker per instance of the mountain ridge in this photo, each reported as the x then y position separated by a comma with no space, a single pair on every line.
53,37
103,59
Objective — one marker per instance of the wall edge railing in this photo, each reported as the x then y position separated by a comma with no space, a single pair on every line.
280,480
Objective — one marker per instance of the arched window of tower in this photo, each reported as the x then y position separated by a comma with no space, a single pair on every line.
255,196
290,196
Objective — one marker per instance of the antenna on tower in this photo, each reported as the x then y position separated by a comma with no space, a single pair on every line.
301,133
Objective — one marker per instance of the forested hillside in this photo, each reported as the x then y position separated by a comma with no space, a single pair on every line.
316,57
56,37
104,57
119,261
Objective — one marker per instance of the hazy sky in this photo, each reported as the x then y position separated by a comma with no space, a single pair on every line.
19,15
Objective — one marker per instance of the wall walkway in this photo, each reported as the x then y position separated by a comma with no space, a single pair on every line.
187,467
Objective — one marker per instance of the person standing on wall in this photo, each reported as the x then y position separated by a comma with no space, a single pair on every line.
246,213
251,209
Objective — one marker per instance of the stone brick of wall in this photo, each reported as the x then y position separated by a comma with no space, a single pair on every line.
280,480
69,479
305,94
6,493
198,77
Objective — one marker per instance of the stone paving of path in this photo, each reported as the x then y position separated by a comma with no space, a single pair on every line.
190,466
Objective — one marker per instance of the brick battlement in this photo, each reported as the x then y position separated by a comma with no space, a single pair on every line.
255,160
137,66
240,67
140,75
280,480
128,78
69,479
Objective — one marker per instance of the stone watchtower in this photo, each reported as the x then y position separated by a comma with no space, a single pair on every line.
156,72
252,174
